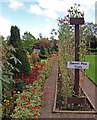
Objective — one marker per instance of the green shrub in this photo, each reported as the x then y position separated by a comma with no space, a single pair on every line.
20,53
42,52
49,50
42,56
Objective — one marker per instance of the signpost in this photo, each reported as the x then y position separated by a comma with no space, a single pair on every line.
78,65
76,22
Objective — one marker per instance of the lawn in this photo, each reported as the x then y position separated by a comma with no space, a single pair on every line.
91,72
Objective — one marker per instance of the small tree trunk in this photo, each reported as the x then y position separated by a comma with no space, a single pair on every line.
89,43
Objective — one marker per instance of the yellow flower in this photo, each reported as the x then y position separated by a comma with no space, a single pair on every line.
7,100
18,92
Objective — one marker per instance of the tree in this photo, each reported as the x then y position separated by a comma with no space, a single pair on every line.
28,41
91,30
20,52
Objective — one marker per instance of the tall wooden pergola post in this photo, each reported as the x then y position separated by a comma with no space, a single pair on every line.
76,22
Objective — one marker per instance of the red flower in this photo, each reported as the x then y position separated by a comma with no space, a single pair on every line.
28,103
31,74
10,45
18,103
69,11
25,90
39,107
41,98
55,33
38,93
33,90
34,87
44,93
28,84
30,116
30,96
33,116
41,69
14,111
16,76
22,74
32,79
26,76
21,97
24,106
35,113
45,98
32,107
25,98
37,102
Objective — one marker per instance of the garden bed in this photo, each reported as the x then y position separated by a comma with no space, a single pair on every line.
61,100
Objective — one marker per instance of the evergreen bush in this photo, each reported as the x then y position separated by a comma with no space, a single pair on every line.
20,53
42,52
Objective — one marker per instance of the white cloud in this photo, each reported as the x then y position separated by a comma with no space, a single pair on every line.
5,26
53,8
36,9
51,14
15,4
48,20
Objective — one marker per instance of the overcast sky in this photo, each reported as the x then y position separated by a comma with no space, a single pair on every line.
39,16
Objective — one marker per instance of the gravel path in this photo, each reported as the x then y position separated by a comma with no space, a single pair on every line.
47,107
90,89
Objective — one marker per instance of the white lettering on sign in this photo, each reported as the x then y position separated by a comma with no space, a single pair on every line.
78,65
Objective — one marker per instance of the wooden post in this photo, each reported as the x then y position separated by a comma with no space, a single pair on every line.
76,22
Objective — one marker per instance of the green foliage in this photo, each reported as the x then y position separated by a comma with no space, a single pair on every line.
49,50
42,49
42,52
28,41
42,56
20,53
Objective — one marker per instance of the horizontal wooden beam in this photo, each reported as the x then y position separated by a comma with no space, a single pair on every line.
76,100
76,21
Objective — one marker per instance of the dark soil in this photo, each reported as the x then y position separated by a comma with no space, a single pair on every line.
86,106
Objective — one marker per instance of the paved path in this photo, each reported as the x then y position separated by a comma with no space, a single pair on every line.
47,108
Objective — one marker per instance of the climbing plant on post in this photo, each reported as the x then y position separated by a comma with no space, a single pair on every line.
67,48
